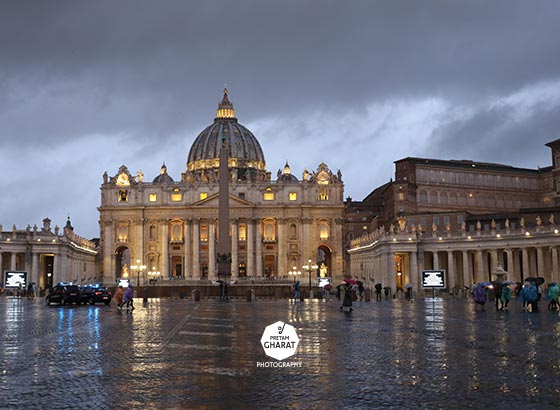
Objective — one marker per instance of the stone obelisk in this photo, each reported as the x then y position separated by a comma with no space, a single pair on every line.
223,256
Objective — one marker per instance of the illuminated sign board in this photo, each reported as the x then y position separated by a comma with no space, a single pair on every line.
324,281
15,279
433,279
123,282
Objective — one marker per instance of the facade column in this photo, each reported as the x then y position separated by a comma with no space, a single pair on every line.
13,261
451,271
196,249
282,254
555,275
64,267
211,249
467,277
479,267
525,255
250,252
258,246
436,260
306,252
164,250
234,250
187,262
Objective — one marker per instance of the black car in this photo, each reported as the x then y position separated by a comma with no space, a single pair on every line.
93,294
64,293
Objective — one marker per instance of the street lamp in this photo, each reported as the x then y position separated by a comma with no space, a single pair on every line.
294,272
153,275
309,268
138,269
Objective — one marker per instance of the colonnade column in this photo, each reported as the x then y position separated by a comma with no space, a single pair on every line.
479,267
196,249
450,270
250,252
13,261
525,256
393,272
258,245
211,250
187,263
436,260
234,250
164,250
510,265
414,274
467,277
540,262
554,264
34,268
494,261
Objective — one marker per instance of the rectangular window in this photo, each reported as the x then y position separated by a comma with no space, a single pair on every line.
241,195
446,219
176,195
123,195
152,198
460,219
436,220
293,196
401,196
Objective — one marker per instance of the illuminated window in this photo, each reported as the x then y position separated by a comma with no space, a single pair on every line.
242,233
122,233
268,194
323,194
203,233
123,195
176,233
269,231
152,198
293,196
324,230
401,196
203,195
176,195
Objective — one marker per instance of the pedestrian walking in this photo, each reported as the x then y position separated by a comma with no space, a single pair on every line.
480,295
346,298
297,290
128,297
498,286
378,288
506,296
552,296
118,297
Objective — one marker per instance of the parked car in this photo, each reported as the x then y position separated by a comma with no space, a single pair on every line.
93,294
64,293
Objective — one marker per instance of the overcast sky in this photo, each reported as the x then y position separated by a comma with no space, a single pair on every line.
86,86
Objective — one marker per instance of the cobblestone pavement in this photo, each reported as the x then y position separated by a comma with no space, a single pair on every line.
178,354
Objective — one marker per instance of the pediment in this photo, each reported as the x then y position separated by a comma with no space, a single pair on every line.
213,201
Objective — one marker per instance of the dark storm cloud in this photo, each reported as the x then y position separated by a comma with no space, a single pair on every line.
134,82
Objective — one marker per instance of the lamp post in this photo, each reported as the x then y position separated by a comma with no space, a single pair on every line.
138,267
294,272
309,268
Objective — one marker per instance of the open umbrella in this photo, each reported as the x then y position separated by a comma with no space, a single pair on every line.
537,280
508,282
408,286
350,281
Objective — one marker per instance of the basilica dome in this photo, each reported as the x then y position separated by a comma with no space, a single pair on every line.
245,152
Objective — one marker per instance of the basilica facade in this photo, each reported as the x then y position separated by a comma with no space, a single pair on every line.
167,228
470,219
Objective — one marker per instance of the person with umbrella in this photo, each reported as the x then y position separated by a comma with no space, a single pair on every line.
552,295
346,299
498,286
480,294
506,296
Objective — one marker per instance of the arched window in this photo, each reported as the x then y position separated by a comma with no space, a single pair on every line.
323,230
152,233
423,197
293,231
433,197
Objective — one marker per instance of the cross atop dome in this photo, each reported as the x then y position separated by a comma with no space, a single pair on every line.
225,109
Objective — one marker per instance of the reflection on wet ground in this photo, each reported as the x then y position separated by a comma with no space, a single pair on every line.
178,354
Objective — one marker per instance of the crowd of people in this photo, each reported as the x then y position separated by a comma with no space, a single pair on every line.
529,294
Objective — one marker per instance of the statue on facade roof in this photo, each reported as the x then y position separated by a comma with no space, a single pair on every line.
539,220
522,222
551,219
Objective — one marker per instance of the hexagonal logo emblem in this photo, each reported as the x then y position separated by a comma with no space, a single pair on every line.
279,340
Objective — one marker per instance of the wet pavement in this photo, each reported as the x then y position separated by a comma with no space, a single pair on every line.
179,354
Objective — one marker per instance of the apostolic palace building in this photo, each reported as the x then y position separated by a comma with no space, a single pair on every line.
470,219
